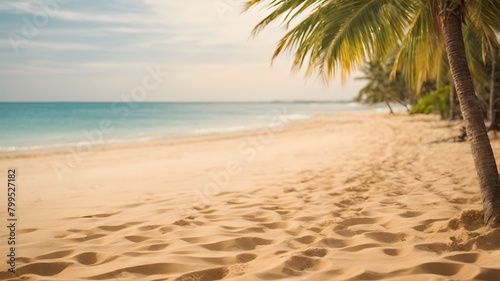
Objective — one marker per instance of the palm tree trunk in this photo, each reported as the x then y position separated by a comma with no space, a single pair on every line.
493,121
386,98
452,102
389,106
482,153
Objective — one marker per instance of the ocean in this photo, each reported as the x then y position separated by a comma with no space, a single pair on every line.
30,126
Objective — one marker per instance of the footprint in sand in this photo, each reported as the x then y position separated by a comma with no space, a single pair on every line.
488,274
386,237
183,222
333,243
345,232
241,243
146,270
315,252
436,247
155,247
42,268
358,221
276,225
301,263
360,247
88,238
439,268
93,258
260,216
113,228
27,230
307,239
395,252
464,257
204,275
100,215
167,229
136,238
253,229
245,258
148,227
55,255
24,260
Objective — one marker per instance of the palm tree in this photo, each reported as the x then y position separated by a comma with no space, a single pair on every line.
380,88
376,89
336,36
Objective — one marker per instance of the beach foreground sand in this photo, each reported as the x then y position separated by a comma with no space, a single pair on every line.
360,196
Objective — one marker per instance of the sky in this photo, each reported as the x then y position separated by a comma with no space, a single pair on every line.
94,50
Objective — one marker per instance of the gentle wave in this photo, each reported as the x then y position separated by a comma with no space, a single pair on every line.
73,145
206,131
271,124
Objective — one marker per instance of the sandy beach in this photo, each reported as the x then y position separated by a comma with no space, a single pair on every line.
358,196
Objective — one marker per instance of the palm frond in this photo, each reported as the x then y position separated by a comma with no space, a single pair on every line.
357,30
420,53
477,54
485,21
283,11
332,37
485,14
336,36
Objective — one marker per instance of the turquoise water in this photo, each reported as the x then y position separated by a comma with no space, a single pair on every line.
26,126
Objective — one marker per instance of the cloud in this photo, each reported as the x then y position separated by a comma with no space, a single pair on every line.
63,12
89,39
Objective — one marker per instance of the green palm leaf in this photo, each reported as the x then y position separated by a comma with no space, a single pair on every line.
334,37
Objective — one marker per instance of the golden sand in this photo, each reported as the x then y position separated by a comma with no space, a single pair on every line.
359,196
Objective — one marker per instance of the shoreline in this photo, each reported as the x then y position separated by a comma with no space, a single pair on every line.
148,140
191,138
104,135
